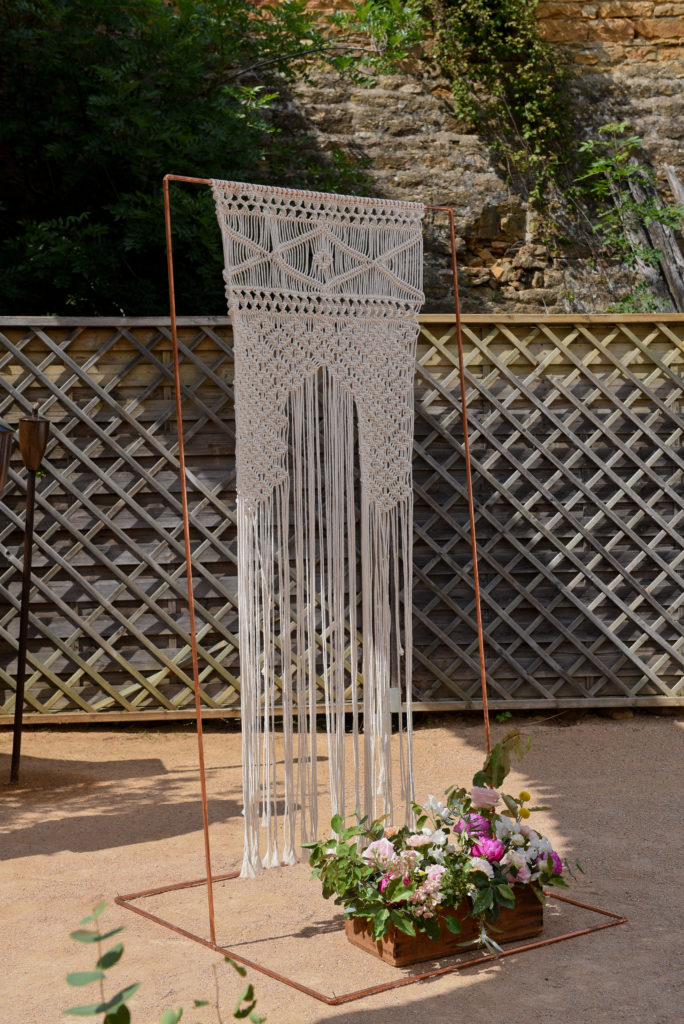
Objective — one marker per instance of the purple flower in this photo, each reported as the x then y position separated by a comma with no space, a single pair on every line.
557,862
490,849
473,823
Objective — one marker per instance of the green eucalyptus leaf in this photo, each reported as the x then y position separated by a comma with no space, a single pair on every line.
82,935
506,891
200,1002
255,1018
337,824
236,967
78,978
246,996
171,1016
120,1016
85,1011
121,997
111,957
97,910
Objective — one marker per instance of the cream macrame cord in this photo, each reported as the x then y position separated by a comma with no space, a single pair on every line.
324,293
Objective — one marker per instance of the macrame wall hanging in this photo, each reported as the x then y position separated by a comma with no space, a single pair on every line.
324,293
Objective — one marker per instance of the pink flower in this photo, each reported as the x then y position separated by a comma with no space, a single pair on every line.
418,840
490,849
524,874
484,798
380,850
384,882
435,872
473,823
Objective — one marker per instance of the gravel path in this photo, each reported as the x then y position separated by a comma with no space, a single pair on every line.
102,811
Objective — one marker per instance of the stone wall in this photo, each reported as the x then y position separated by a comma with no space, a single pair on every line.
627,63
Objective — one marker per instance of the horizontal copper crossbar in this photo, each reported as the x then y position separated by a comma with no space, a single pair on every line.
348,997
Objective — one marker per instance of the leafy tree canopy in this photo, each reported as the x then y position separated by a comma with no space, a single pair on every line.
101,98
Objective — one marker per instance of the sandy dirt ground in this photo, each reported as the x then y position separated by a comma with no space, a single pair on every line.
101,812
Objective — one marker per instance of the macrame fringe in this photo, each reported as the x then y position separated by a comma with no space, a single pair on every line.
298,583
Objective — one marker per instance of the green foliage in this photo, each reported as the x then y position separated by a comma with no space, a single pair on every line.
393,28
614,177
508,84
498,762
115,1009
101,98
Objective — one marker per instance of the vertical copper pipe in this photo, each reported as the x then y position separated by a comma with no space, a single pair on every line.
188,557
23,626
469,475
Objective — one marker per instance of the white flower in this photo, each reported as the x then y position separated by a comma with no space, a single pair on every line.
437,854
433,806
518,840
480,864
505,827
439,837
516,858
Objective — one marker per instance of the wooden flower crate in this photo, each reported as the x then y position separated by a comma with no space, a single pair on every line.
398,949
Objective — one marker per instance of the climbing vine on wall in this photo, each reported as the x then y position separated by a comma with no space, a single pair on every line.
507,84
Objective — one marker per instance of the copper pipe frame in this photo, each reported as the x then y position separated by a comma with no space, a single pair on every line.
126,901
348,997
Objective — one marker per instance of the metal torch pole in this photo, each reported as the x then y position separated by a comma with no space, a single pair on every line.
33,435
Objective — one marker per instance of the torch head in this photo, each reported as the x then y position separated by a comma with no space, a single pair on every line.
33,437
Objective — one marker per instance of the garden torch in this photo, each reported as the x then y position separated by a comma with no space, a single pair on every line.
33,436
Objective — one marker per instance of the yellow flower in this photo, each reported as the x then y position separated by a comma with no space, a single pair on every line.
523,795
524,812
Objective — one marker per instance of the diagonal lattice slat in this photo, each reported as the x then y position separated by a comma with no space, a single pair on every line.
576,435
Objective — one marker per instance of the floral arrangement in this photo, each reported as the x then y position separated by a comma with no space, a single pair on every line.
471,851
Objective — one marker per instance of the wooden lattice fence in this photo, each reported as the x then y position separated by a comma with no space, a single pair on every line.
576,434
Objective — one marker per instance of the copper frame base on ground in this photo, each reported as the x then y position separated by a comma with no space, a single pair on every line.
348,997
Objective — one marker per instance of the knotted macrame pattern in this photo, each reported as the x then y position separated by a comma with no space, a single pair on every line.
324,293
